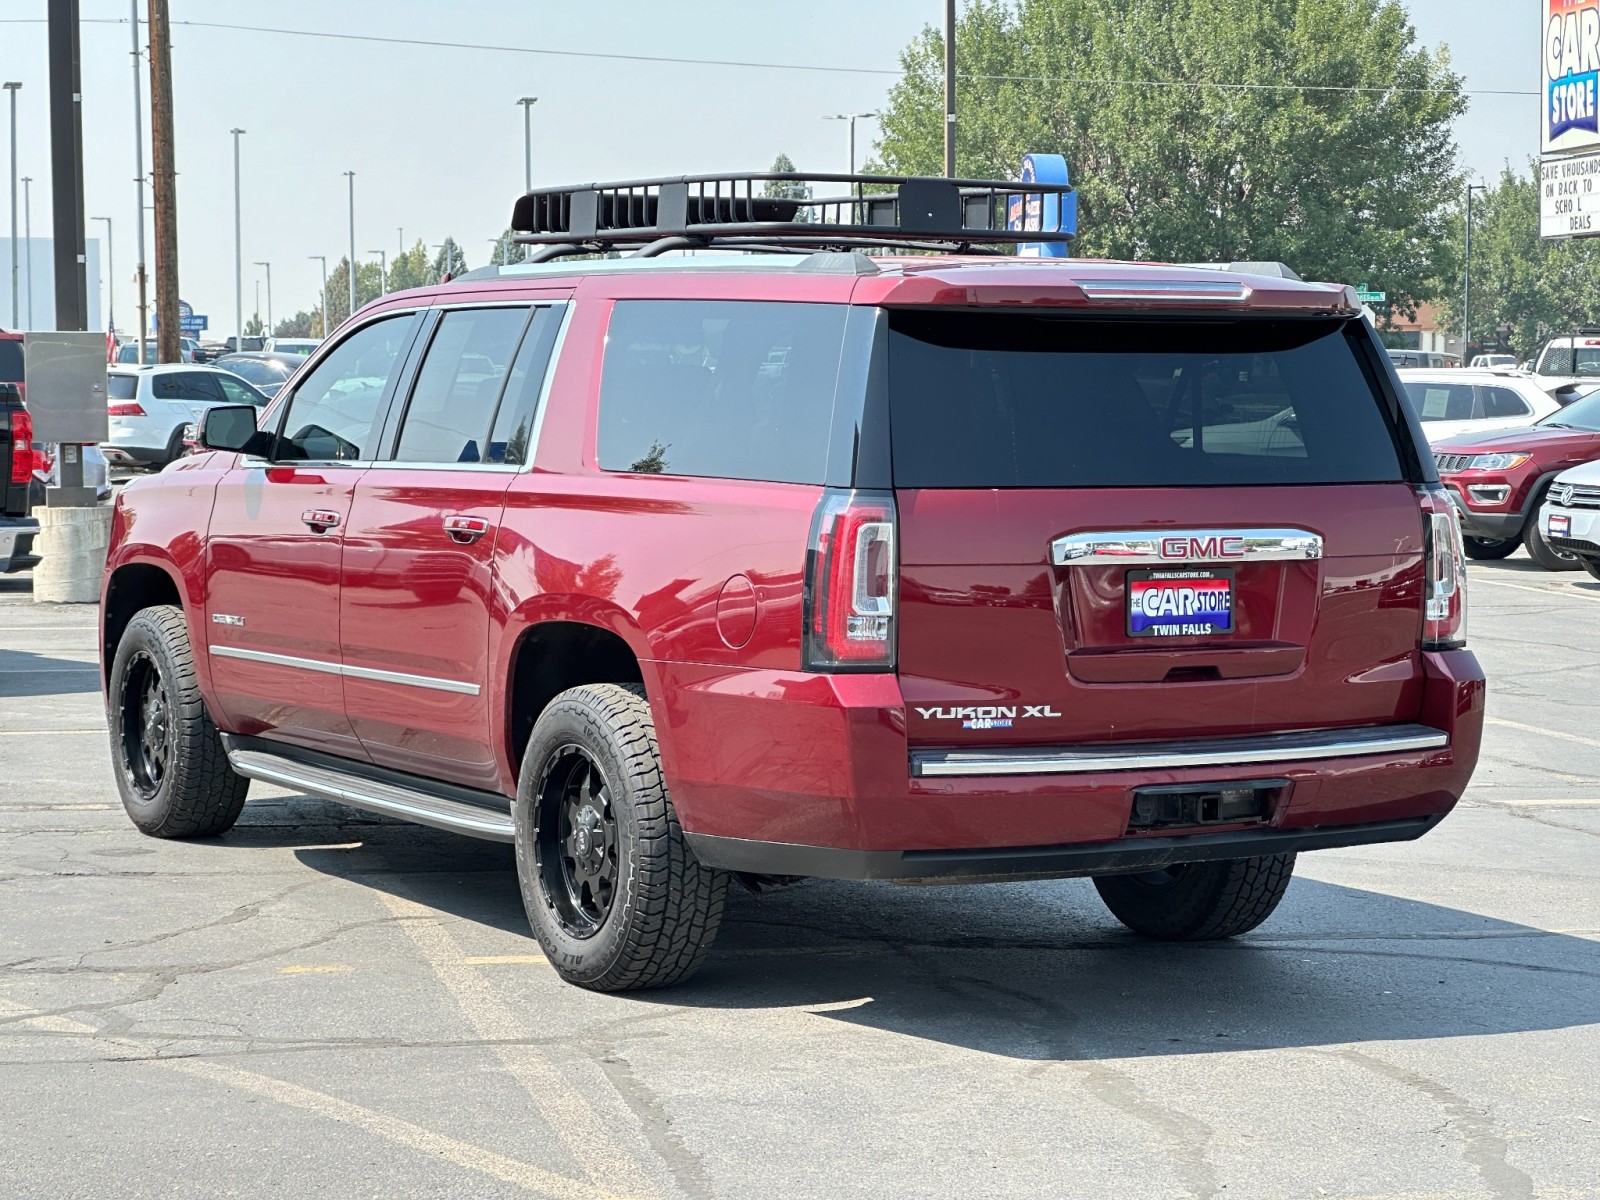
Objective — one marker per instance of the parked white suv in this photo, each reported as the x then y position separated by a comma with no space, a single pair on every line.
149,407
1456,402
1570,516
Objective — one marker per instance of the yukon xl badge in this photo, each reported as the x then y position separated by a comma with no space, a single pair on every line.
989,716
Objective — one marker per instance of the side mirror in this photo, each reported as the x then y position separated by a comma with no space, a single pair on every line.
233,427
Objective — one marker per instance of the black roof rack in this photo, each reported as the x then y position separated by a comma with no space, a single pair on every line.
651,216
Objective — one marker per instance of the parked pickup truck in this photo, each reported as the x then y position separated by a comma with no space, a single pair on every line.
680,571
17,459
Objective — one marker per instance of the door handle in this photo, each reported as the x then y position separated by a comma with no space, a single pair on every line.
320,519
465,530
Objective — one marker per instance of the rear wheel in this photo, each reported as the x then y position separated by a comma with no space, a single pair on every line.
174,448
172,772
1489,549
1193,902
615,896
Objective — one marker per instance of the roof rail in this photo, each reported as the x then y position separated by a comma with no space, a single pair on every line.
735,211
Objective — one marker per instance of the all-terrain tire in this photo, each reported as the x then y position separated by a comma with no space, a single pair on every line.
1489,549
171,770
1195,902
592,764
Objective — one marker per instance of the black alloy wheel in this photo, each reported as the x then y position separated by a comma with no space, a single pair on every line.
147,725
576,841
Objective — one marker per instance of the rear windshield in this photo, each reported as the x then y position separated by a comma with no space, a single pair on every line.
10,361
122,387
1013,401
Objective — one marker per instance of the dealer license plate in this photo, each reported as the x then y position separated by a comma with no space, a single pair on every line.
1180,602
1560,525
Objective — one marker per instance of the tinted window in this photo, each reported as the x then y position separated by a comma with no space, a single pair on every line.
122,387
1442,401
511,441
334,409
189,386
1580,414
732,389
457,389
257,372
1503,402
1036,401
10,361
237,392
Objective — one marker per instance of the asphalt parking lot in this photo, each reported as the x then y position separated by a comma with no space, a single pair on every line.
326,1003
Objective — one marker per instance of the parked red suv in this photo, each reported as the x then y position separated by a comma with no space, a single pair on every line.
679,571
1498,480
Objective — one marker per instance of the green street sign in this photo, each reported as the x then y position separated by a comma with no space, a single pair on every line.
1366,297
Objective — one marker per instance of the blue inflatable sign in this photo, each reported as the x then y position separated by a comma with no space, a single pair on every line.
1044,213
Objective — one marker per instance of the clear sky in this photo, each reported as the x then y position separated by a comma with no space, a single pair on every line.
434,134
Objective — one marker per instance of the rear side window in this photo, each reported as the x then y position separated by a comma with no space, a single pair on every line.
1503,402
10,361
731,389
1008,400
122,387
453,401
1442,401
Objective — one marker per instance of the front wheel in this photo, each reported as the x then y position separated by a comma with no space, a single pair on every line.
1489,549
171,769
614,894
1195,902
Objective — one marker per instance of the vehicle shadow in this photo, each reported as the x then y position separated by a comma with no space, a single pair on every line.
1041,971
24,673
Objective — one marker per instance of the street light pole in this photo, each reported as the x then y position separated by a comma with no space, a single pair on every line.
238,252
268,266
950,88
1466,275
351,175
852,118
138,160
383,270
527,103
27,240
13,88
111,275
323,259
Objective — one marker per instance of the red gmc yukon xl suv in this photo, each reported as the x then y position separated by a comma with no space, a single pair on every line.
678,571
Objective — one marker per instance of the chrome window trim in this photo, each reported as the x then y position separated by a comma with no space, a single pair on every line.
328,668
1142,547
1164,756
543,402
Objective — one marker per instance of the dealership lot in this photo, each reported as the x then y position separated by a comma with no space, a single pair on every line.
323,1001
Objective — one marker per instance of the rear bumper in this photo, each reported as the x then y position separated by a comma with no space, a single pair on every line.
16,544
789,774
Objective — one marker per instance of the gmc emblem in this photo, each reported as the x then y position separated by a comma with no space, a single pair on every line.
1202,548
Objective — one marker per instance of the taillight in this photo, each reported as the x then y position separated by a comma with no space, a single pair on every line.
852,584
1444,625
124,408
21,446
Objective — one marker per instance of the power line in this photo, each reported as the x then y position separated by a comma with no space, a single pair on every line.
1193,85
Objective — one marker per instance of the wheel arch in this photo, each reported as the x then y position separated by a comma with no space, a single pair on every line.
130,588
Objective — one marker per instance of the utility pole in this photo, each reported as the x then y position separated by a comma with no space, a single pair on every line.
351,175
111,276
268,266
383,271
1466,275
138,160
238,252
66,182
166,185
323,259
950,89
27,241
14,88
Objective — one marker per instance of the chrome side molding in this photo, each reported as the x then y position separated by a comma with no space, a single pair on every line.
389,799
1162,756
1177,547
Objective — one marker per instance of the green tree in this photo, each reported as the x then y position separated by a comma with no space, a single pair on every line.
1536,287
411,269
255,326
368,279
787,189
450,260
297,326
506,249
1184,142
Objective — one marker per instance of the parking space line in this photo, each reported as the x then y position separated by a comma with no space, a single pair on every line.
45,732
1474,580
568,1113
1554,733
484,960
313,969
403,1133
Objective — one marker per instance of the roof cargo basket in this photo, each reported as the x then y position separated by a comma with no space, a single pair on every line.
651,216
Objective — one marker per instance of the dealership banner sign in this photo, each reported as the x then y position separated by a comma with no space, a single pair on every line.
1571,119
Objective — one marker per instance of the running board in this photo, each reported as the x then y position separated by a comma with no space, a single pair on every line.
389,799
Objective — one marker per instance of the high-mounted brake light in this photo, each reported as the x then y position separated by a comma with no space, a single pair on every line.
1444,625
124,408
852,584
21,446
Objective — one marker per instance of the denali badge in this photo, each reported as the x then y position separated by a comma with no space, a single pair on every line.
989,716
1156,546
226,619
